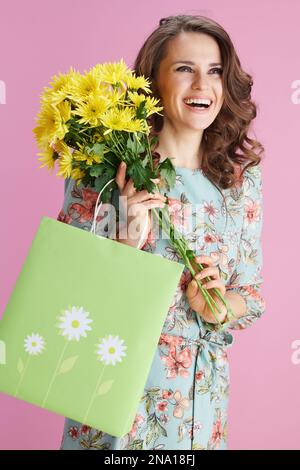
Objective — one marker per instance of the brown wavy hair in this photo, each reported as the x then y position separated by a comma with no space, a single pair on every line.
228,151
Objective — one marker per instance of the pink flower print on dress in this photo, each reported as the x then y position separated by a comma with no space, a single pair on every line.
220,257
85,429
185,279
73,432
178,363
182,404
170,340
167,394
252,213
179,214
199,375
137,421
65,218
85,212
217,434
211,210
162,406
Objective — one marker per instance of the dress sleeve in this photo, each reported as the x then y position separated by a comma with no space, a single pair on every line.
246,279
79,206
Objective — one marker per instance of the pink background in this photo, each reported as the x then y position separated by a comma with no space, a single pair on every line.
38,39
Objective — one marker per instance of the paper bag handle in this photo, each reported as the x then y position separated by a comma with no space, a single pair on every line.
97,209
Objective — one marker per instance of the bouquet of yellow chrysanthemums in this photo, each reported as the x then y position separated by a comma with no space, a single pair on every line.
89,123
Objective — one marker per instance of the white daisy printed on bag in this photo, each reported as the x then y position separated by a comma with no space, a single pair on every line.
34,344
74,323
111,350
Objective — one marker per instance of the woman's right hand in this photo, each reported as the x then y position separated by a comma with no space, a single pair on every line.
139,204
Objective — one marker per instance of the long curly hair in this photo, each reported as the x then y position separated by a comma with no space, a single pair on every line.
228,151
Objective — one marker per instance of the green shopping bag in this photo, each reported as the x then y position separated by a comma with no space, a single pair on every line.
82,325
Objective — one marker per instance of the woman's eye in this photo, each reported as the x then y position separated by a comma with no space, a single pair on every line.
183,67
219,70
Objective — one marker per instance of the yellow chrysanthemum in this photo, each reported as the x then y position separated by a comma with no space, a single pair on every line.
135,83
64,109
51,126
89,159
47,159
136,125
65,159
136,98
114,72
151,107
92,109
117,119
85,85
77,175
61,87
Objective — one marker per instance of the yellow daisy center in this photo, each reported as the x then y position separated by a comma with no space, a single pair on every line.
33,344
75,324
111,350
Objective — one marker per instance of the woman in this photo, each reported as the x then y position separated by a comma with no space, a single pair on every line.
184,404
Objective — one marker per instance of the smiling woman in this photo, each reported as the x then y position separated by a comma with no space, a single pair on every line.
207,110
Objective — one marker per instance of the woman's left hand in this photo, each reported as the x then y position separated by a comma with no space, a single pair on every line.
194,295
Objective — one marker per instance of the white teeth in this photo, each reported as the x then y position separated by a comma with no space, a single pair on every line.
197,101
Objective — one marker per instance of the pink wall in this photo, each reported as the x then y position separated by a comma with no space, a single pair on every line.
38,39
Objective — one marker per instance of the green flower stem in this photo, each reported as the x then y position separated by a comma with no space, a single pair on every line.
116,143
108,162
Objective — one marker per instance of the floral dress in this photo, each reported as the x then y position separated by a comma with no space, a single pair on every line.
185,399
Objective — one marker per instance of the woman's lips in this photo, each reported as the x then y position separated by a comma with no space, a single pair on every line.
197,109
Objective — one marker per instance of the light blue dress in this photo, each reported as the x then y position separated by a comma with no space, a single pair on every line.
185,399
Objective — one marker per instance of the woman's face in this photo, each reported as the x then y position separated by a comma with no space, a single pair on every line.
202,77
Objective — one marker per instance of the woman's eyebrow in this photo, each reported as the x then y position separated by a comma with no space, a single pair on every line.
213,64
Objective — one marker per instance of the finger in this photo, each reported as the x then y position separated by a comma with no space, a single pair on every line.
121,176
212,271
153,204
143,195
138,209
216,283
155,180
129,189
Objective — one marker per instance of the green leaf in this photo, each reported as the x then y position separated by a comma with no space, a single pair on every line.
137,444
101,181
67,365
105,387
167,173
141,176
155,429
134,146
97,170
98,148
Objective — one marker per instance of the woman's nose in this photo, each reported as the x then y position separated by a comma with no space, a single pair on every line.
201,81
